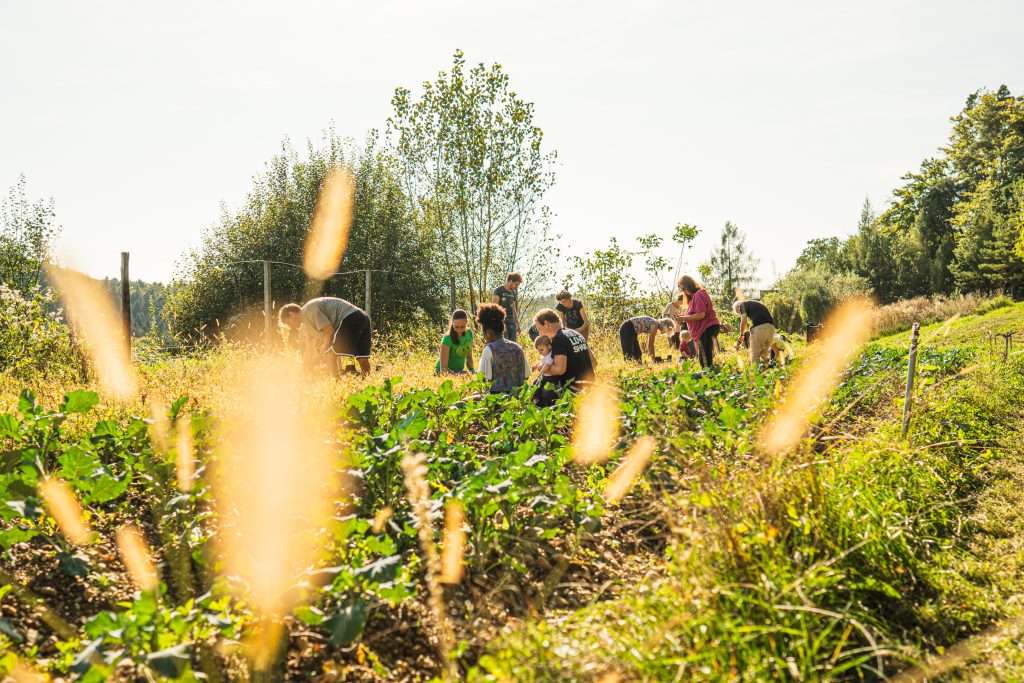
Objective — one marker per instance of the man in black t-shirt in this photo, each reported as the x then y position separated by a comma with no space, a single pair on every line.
762,328
506,297
572,360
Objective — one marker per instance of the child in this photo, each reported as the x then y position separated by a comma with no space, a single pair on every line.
543,346
686,348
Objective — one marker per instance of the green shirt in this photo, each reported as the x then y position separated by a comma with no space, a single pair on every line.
457,353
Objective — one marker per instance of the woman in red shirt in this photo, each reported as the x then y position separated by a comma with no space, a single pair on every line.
700,319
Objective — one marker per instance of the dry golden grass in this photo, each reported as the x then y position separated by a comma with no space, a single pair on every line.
633,463
597,425
64,508
98,324
328,231
275,483
454,545
845,331
137,558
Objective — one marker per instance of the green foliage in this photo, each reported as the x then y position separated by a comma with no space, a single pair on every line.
732,266
35,342
807,294
148,300
27,231
209,294
472,161
955,225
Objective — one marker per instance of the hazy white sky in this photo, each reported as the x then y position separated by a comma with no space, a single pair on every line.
140,118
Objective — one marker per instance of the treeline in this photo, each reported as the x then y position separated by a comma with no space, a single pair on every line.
147,305
954,226
449,191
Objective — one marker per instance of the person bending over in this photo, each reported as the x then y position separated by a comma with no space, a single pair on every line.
762,328
506,297
573,315
503,363
331,326
642,326
456,352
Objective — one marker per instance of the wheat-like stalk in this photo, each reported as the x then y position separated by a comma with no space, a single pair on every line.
414,469
597,425
137,557
328,231
64,508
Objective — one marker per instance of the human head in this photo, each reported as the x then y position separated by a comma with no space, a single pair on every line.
685,336
290,315
547,322
457,328
736,307
513,281
563,297
665,325
491,319
688,285
542,344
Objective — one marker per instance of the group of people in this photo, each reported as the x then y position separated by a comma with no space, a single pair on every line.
338,328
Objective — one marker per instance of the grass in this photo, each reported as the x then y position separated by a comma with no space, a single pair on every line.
851,559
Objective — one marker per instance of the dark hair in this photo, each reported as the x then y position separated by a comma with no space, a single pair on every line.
457,314
514,277
564,294
546,315
542,339
491,317
288,309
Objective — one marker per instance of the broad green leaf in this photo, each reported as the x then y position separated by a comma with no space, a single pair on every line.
80,402
347,624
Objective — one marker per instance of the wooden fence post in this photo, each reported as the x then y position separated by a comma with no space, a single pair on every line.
266,303
126,304
911,369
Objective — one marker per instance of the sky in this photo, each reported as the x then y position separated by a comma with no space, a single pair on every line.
143,121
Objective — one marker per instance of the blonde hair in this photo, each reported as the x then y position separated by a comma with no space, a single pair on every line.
542,340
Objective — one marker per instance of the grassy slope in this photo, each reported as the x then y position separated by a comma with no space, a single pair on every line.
861,555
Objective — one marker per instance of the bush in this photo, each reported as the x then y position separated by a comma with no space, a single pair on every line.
899,316
35,342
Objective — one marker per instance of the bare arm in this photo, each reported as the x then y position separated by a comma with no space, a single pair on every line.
693,317
586,320
444,354
743,326
650,341
558,365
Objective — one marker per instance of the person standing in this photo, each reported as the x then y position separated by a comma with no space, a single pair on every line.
700,319
645,326
503,363
573,315
331,325
572,361
456,350
762,328
506,297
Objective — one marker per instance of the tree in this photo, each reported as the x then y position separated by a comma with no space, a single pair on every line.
732,266
473,163
27,232
211,287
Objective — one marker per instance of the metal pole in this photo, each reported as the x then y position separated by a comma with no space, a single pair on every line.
911,368
126,304
367,297
266,303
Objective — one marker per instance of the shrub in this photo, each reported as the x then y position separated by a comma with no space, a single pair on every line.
35,342
899,316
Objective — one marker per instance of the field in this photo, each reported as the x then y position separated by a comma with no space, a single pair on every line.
855,555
